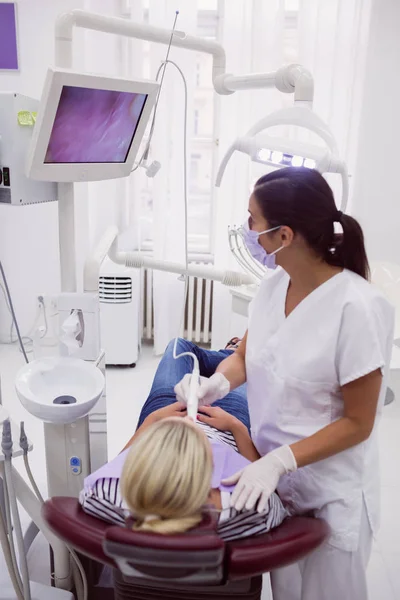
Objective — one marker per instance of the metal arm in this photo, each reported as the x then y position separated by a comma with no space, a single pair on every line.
288,79
109,245
137,260
87,20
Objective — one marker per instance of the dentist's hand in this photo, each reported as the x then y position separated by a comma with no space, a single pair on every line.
258,481
210,389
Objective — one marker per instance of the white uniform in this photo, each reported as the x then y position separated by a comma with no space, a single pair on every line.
295,368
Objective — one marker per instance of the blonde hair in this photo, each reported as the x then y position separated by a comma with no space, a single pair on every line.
166,477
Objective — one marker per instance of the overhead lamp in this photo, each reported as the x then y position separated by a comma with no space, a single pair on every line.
264,155
284,152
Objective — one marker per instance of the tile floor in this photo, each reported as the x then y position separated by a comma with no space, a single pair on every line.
126,392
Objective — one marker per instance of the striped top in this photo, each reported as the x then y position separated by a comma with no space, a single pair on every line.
226,437
105,502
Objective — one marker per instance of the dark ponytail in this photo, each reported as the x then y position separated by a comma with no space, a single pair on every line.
348,249
301,199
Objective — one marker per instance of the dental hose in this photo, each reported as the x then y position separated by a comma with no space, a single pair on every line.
5,546
18,532
9,529
192,401
192,404
81,586
6,446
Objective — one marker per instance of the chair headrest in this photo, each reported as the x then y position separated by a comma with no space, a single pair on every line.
195,556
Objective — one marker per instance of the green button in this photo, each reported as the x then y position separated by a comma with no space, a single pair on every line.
26,118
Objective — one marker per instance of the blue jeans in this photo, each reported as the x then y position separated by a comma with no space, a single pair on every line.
171,371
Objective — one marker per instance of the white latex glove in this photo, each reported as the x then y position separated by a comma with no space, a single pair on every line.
210,389
258,481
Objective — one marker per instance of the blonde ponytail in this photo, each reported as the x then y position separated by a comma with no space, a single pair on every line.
166,477
168,526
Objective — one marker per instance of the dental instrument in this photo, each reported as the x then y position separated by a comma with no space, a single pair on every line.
13,488
193,401
6,446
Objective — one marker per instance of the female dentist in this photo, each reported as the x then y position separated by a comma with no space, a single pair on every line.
315,358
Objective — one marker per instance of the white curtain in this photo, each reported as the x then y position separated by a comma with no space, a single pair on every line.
333,39
168,186
252,36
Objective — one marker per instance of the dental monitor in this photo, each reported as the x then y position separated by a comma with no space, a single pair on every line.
89,127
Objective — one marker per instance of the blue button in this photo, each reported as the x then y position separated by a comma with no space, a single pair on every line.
74,461
75,470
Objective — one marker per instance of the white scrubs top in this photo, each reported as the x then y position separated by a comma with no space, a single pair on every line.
295,368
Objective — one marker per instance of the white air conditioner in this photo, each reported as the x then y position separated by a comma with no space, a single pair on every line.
120,316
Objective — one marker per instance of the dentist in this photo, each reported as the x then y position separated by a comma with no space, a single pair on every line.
315,358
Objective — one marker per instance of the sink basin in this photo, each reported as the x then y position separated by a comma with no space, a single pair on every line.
59,389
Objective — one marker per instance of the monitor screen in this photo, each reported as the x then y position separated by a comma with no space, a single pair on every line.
94,126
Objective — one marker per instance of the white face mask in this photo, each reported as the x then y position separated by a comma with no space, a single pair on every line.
267,259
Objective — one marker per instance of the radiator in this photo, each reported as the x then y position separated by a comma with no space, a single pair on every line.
198,310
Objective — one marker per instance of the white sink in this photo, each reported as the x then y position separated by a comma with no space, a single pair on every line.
59,390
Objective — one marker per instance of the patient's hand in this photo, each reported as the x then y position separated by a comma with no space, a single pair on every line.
177,409
217,417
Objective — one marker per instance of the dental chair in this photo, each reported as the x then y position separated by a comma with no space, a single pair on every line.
196,565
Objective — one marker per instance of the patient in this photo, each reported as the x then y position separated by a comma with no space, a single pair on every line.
166,478
227,420
167,475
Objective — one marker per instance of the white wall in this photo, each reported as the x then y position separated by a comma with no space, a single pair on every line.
376,200
253,42
29,235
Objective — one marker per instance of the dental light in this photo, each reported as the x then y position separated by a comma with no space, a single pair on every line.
280,152
282,159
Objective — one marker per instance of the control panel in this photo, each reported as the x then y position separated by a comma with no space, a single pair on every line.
75,465
15,137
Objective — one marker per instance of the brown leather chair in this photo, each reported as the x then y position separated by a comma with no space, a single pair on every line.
196,565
